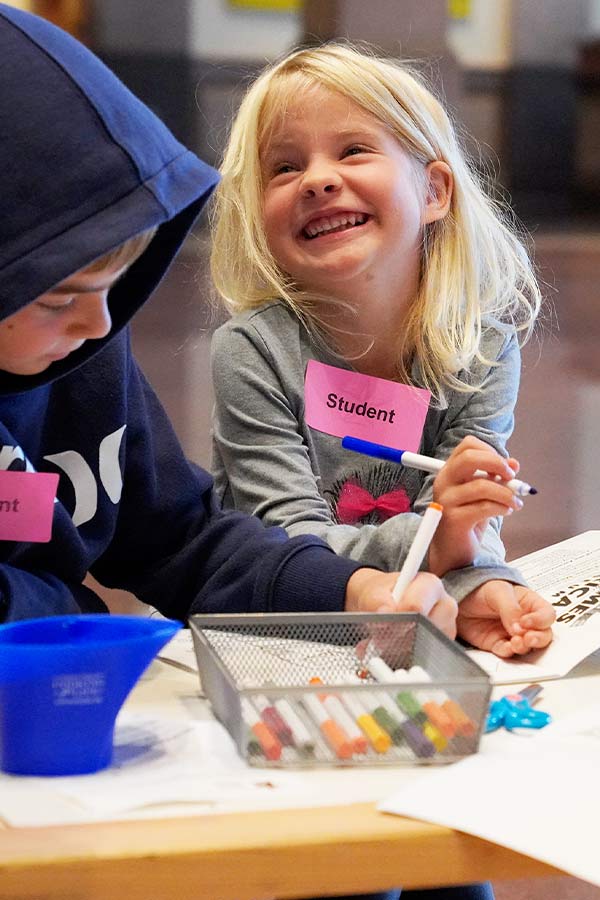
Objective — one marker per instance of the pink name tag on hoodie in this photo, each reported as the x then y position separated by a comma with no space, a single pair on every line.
27,505
341,403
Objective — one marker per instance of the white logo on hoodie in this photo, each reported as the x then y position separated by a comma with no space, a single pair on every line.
80,474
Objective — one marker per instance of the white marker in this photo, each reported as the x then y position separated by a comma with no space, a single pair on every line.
418,549
302,737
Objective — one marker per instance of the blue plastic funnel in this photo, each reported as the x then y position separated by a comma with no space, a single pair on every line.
62,682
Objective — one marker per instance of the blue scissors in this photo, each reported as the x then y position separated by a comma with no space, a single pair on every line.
516,711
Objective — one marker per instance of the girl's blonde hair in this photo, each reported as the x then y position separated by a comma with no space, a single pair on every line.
473,263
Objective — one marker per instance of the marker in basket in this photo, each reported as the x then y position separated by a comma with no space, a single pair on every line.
337,712
398,725
389,725
270,745
385,718
272,718
379,739
300,733
434,712
464,725
418,549
409,705
425,463
333,734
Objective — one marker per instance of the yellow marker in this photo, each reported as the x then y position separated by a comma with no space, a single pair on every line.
436,737
380,739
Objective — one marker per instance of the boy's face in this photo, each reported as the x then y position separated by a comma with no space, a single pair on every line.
58,322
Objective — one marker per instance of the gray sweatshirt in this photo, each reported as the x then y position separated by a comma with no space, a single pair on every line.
269,462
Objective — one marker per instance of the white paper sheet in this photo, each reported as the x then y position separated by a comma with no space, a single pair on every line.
568,576
539,797
176,767
157,762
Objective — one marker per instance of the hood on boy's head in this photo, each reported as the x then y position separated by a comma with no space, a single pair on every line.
84,166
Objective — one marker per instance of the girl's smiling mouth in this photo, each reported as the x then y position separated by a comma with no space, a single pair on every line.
332,224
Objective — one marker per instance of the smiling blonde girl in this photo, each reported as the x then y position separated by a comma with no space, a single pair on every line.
351,233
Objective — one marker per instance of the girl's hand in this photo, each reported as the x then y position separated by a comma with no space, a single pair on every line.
369,590
506,619
469,502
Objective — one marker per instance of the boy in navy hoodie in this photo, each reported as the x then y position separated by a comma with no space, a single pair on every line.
97,197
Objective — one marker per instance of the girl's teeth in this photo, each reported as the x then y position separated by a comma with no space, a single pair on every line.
334,224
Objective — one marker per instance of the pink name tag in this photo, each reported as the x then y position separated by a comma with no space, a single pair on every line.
340,402
27,505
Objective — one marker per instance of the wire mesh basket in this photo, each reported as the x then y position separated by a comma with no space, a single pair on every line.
340,688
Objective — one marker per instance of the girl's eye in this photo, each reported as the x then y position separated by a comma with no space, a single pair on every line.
283,169
352,151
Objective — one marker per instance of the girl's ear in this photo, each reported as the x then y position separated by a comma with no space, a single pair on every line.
439,184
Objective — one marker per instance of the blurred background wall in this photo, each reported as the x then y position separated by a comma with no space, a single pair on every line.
522,75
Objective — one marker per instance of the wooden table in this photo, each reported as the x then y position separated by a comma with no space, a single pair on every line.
245,855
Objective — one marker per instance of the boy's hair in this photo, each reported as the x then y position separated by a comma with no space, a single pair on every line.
473,263
125,254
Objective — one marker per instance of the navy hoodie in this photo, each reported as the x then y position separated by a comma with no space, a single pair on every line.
84,166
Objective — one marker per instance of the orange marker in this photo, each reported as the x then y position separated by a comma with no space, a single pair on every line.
336,710
440,718
335,736
464,724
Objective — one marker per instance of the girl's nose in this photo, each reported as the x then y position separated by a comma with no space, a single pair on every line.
321,179
94,319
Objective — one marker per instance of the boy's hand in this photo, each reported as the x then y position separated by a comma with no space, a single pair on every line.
469,502
369,590
506,619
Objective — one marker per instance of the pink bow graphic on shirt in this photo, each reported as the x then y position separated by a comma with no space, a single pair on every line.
355,502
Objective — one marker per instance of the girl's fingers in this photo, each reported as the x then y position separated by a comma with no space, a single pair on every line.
463,466
541,619
471,443
507,608
517,645
531,640
469,515
514,464
505,648
536,640
537,612
477,490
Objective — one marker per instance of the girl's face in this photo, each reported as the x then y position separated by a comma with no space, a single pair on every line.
343,203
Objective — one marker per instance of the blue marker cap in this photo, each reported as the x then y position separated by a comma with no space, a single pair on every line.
379,451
